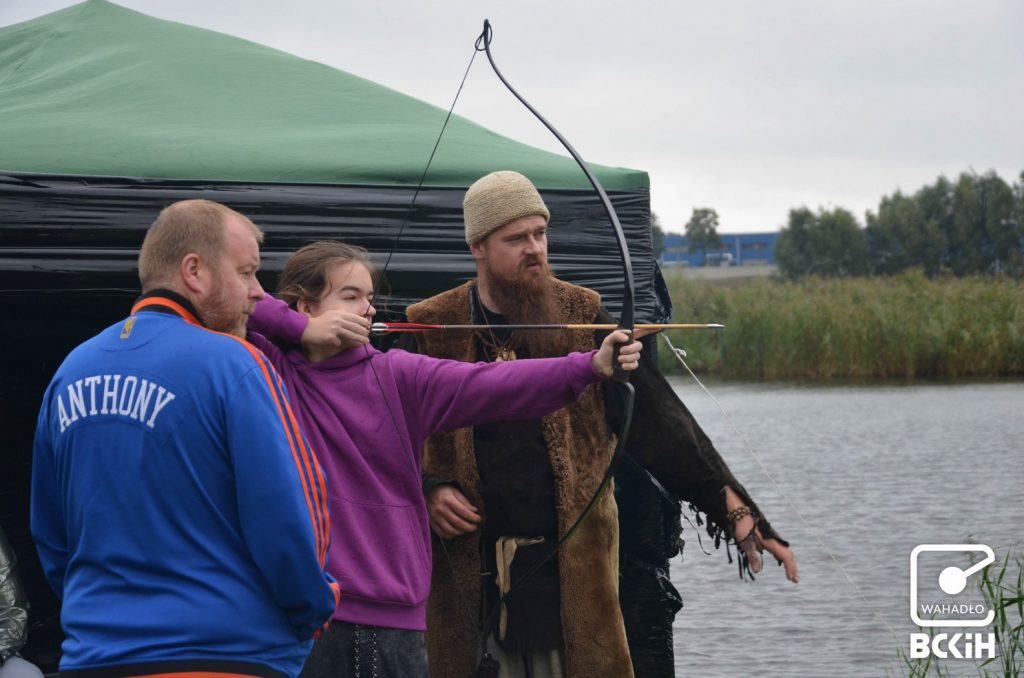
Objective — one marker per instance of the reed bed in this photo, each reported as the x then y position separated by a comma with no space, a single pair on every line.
905,327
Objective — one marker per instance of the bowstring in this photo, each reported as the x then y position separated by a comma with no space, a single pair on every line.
680,354
430,160
383,277
405,222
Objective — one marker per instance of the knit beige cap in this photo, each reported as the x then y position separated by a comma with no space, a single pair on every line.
496,199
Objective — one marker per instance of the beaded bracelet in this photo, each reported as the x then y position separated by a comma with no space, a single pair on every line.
736,514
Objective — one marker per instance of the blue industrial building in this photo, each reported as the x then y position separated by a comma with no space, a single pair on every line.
738,249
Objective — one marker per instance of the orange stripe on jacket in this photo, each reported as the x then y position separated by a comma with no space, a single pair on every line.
175,306
321,481
315,473
319,516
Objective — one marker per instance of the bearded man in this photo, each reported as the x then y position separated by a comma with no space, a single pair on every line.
530,480
177,509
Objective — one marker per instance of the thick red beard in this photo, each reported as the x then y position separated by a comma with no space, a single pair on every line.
528,299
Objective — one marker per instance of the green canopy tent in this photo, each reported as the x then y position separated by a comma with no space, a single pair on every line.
97,89
106,98
107,115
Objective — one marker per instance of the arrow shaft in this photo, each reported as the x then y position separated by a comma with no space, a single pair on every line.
385,328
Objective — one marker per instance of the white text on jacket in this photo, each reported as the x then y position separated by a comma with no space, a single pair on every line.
110,394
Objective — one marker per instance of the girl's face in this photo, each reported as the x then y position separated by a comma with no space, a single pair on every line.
349,289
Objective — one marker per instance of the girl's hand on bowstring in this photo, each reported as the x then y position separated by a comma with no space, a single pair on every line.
337,329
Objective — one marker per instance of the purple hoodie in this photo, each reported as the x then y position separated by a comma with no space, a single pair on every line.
367,426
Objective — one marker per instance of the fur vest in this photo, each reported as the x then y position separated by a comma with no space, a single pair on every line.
580,446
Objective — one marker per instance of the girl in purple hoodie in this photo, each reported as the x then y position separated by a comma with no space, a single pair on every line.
366,415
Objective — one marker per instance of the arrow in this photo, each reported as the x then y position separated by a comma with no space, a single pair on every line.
386,328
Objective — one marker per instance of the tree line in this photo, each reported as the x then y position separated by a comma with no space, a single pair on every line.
971,226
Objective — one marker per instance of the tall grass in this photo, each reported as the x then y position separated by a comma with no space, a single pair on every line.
904,327
1006,597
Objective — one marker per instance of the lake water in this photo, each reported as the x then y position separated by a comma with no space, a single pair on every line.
874,471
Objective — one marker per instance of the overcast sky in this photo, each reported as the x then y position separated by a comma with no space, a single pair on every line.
747,107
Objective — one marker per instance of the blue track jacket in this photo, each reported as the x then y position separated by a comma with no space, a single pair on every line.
178,511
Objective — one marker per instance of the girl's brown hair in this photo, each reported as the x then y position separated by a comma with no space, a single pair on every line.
306,275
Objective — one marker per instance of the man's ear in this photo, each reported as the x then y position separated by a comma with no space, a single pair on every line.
477,249
193,273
